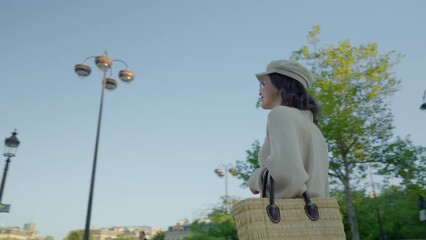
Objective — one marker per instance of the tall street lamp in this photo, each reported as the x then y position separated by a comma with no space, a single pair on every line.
104,64
222,170
423,106
10,146
379,217
422,213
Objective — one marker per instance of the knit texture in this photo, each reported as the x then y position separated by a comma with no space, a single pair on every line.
295,153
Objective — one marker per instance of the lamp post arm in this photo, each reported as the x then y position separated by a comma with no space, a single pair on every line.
123,62
110,74
424,96
85,60
117,60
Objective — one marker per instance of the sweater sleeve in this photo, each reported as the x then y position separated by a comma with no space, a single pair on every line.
285,163
255,180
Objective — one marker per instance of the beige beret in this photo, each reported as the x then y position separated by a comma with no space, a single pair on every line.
290,69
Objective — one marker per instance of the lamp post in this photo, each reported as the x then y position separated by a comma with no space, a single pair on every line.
10,146
221,171
104,64
379,217
423,106
422,213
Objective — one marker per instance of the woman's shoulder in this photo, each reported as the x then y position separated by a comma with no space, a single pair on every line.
289,114
282,111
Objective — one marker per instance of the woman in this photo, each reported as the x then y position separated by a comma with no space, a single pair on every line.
294,152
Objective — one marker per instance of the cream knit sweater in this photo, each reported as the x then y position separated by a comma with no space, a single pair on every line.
295,153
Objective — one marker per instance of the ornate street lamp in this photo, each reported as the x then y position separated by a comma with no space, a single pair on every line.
10,146
423,106
222,171
104,63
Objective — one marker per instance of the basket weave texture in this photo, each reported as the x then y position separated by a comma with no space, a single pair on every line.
253,222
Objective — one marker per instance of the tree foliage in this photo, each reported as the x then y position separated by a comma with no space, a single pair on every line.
247,166
78,235
219,225
159,236
354,86
398,209
75,235
125,237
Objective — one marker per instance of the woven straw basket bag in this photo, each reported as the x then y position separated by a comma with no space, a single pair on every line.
288,219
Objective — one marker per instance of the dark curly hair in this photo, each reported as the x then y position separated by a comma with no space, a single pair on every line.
294,94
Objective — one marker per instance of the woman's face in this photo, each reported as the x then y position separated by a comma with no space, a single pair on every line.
269,94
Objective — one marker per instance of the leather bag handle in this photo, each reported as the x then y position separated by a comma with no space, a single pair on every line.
273,210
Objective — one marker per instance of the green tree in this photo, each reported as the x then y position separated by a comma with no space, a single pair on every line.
124,237
49,238
78,235
246,167
400,212
398,208
222,225
159,235
202,236
219,225
354,86
75,235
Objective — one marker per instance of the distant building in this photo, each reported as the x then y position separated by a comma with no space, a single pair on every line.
27,233
30,227
181,230
111,233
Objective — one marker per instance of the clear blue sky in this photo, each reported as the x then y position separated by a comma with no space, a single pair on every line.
190,108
